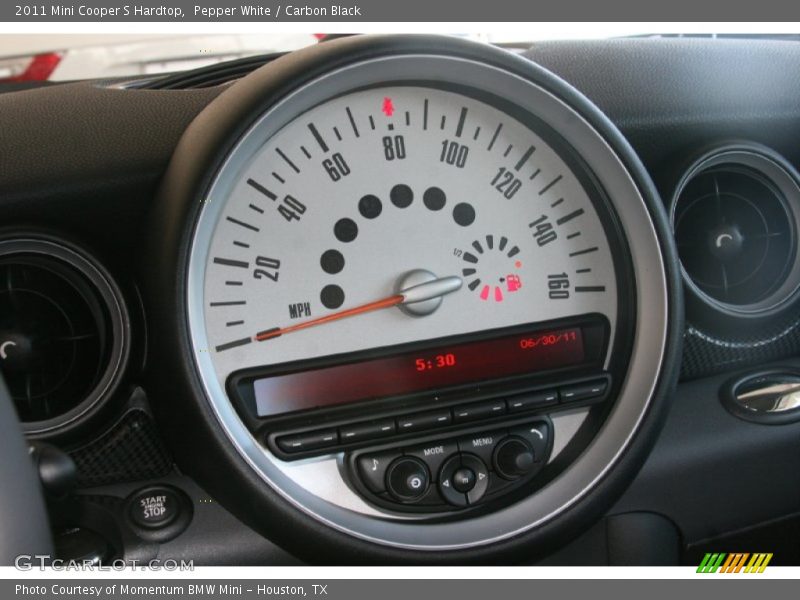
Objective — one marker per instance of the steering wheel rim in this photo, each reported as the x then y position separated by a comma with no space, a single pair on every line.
23,518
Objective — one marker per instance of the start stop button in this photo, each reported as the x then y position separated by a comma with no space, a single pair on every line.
154,507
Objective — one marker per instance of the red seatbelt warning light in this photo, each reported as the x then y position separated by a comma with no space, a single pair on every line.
388,107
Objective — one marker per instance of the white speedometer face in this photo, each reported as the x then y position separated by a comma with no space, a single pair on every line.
356,201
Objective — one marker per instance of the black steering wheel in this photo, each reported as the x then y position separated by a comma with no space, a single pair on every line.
24,527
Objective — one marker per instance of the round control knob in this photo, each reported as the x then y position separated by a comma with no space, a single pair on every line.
513,458
463,480
407,478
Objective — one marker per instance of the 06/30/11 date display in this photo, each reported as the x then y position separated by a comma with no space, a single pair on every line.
439,368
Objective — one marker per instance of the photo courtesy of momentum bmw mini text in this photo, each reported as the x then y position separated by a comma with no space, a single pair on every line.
375,299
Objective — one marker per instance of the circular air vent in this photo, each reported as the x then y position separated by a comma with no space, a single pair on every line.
735,215
63,332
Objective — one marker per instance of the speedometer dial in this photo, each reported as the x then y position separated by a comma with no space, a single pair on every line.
382,189
422,292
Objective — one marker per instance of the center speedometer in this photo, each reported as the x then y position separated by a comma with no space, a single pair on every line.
423,292
386,190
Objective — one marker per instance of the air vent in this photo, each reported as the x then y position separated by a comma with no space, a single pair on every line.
63,333
735,218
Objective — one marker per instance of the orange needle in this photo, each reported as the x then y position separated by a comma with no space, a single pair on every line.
350,312
417,293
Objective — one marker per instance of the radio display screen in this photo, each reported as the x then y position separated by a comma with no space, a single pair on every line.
435,368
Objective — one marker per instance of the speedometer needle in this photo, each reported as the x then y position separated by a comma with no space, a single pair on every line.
417,293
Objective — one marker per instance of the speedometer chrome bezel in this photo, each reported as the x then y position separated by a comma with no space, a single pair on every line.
650,343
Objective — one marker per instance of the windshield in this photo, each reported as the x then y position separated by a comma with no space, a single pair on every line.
67,57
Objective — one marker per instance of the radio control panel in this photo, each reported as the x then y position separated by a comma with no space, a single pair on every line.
454,472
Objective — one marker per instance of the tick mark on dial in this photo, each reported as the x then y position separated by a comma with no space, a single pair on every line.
494,137
287,159
233,344
261,189
524,158
549,185
243,224
352,121
318,137
586,251
570,216
462,117
229,262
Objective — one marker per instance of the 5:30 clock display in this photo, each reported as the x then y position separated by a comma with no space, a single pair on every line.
440,361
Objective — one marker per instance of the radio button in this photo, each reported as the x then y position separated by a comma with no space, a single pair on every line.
537,435
513,458
428,420
446,483
464,480
434,454
366,431
532,401
407,478
478,410
372,469
313,440
481,472
584,391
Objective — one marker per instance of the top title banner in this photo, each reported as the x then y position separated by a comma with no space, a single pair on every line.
398,11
